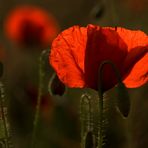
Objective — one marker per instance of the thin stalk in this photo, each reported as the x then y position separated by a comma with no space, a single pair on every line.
40,88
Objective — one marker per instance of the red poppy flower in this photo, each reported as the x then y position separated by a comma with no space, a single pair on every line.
31,26
77,53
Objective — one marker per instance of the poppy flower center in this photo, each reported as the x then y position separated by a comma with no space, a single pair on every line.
31,33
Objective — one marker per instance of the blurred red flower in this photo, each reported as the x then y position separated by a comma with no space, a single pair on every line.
77,53
31,26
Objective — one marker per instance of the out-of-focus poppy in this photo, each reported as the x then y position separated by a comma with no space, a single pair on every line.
76,55
31,26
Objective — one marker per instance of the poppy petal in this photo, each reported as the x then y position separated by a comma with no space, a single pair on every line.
67,56
133,38
138,75
103,44
135,64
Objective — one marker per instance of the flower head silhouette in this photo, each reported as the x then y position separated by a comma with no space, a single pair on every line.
77,53
31,26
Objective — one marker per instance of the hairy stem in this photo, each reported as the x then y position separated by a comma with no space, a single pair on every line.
40,88
100,93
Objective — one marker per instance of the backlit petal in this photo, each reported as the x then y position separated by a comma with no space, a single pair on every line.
67,56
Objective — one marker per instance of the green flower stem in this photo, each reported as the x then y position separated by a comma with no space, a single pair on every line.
36,118
100,93
2,98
